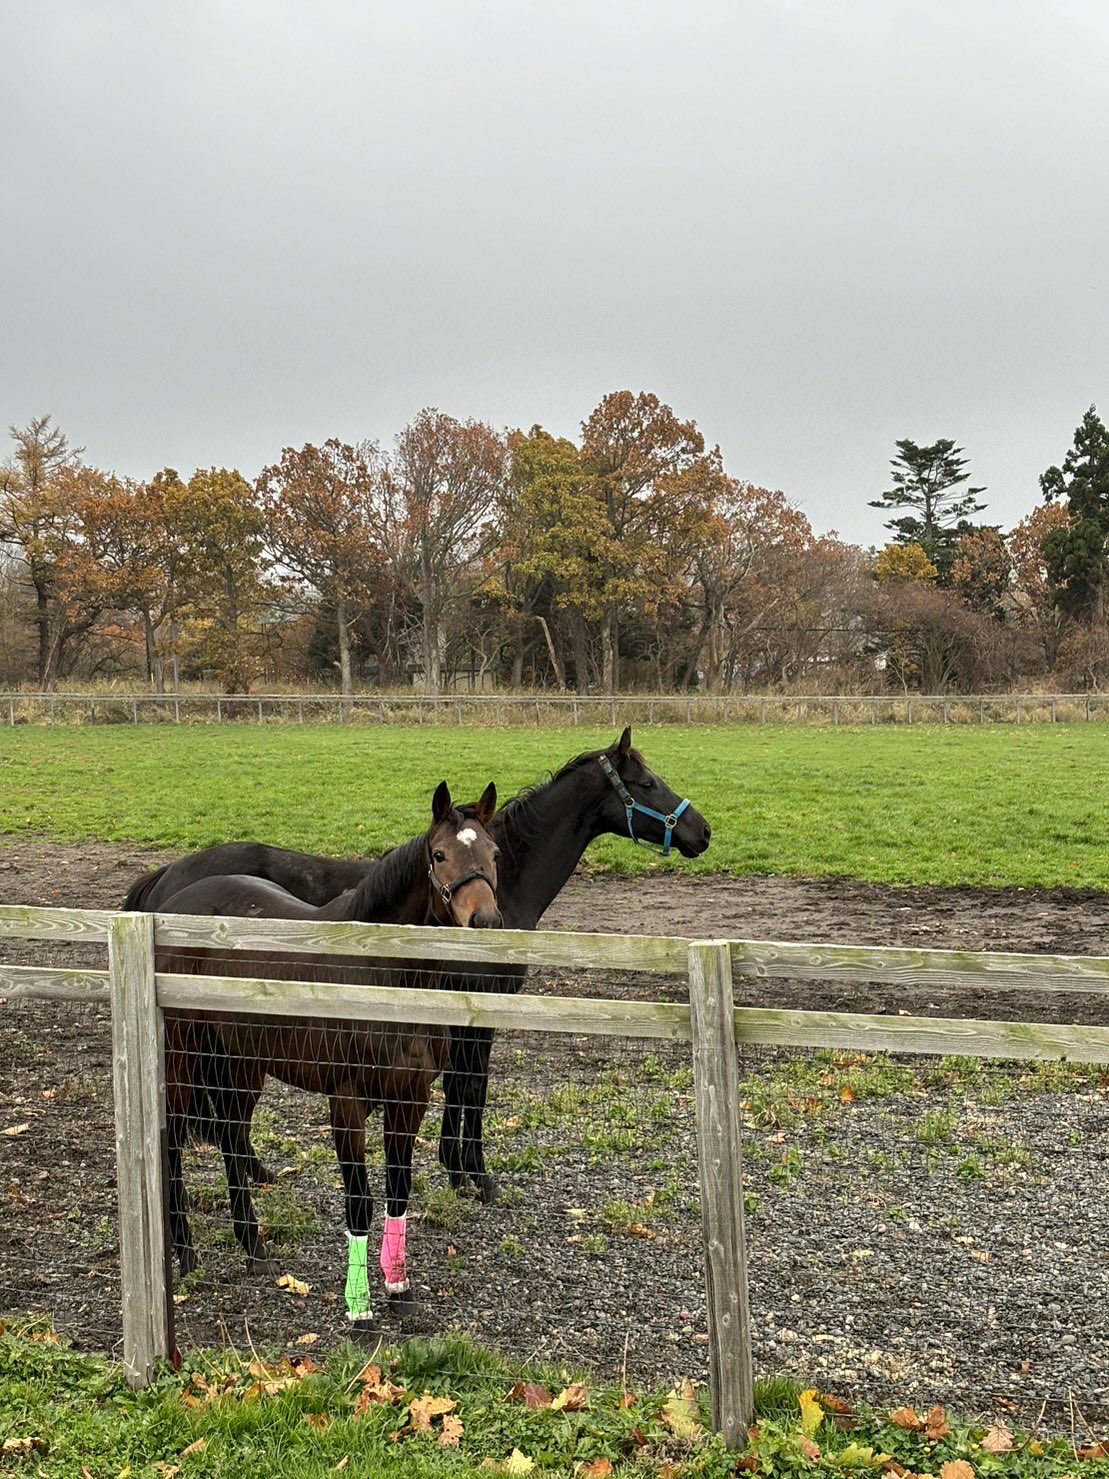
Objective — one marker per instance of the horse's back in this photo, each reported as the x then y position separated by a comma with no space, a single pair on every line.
241,895
311,879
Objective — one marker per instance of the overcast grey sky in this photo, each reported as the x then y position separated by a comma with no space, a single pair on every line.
814,225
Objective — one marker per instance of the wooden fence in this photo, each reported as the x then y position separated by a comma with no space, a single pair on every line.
711,1023
570,711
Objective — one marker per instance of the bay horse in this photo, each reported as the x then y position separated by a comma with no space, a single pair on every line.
448,875
543,833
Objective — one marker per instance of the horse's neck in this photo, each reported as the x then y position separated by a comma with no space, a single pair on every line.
544,849
409,905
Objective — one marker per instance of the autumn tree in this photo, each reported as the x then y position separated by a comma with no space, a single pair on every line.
1077,552
316,503
982,571
551,543
225,591
640,454
1035,607
902,562
928,482
37,514
437,497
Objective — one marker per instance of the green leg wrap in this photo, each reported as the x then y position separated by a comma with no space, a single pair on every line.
358,1279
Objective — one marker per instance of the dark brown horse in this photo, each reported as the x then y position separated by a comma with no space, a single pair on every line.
448,876
542,833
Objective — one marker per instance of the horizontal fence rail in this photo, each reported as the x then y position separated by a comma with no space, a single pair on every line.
711,1023
566,710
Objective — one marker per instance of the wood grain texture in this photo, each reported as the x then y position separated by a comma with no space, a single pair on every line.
419,942
521,1013
50,983
947,1036
720,1163
33,922
138,1082
947,970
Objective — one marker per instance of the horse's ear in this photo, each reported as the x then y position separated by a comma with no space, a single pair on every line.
487,805
623,745
441,803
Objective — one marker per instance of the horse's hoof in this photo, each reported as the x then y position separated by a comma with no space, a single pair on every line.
366,1331
486,1188
187,1261
458,1180
262,1263
404,1305
261,1175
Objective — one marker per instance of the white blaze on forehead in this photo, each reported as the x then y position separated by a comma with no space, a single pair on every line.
468,836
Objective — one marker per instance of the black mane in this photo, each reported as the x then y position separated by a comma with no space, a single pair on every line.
518,814
390,877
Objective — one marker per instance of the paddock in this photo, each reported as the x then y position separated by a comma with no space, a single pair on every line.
895,1234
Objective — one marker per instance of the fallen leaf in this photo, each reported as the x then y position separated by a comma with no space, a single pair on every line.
638,1230
180,1299
998,1439
198,1447
812,1414
600,1468
318,1420
905,1417
749,1464
293,1286
936,1428
957,1468
847,1094
341,1465
518,1463
679,1412
308,1338
450,1435
15,1129
23,1445
573,1398
1093,1450
531,1394
422,1411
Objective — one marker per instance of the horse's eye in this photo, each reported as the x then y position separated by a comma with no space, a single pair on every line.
647,784
440,857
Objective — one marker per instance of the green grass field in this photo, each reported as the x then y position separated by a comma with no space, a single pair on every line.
989,805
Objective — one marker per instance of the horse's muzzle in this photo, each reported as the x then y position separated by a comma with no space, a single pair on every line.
486,919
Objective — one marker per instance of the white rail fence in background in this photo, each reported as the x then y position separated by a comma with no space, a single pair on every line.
711,1023
571,711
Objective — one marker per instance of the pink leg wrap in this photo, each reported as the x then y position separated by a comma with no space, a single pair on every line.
393,1263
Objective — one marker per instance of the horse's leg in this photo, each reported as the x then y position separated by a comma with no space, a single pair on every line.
465,1085
348,1129
233,1126
402,1120
179,1064
212,1101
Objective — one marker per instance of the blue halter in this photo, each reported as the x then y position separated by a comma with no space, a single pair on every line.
631,806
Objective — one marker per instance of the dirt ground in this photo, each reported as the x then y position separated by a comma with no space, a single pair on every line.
882,1260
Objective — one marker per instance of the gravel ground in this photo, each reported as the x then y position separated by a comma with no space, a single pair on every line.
929,1241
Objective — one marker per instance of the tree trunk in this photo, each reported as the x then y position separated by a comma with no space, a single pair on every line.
42,621
610,639
579,636
559,672
346,684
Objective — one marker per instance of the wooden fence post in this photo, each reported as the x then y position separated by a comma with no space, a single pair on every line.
720,1163
138,1084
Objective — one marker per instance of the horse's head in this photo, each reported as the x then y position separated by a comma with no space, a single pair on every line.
639,803
462,862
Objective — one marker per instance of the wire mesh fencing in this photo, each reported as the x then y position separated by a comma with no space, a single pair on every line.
59,1240
589,1255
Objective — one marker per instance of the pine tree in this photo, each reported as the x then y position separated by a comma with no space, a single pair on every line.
930,481
1077,553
